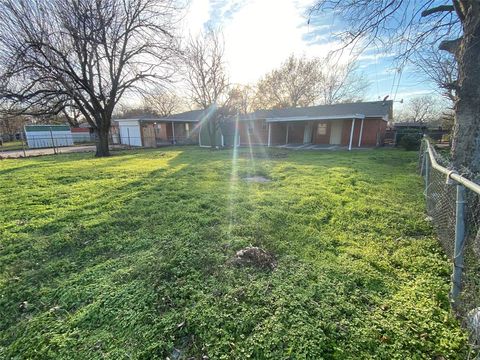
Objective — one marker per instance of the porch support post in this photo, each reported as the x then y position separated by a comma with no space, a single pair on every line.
307,133
173,132
361,133
286,137
269,134
351,134
199,136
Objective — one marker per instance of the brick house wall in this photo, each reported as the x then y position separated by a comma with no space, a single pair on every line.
373,132
295,133
253,132
278,133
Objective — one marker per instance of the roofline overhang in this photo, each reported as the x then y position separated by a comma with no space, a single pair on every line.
157,120
314,118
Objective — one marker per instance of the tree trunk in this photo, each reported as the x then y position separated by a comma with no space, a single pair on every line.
102,143
466,139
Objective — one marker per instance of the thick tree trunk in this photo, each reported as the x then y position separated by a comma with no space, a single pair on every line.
102,143
466,139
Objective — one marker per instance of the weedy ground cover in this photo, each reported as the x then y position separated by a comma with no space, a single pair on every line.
128,257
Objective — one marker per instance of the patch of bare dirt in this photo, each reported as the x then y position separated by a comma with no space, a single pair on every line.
257,179
254,256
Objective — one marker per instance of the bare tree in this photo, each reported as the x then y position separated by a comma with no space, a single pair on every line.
207,78
341,82
11,125
164,103
409,26
305,82
293,84
422,109
72,114
86,53
240,99
127,112
441,68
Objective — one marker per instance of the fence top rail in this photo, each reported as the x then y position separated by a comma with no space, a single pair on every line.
452,174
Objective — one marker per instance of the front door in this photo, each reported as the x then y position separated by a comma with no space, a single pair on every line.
336,132
307,133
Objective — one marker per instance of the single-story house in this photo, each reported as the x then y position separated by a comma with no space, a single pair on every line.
359,124
351,125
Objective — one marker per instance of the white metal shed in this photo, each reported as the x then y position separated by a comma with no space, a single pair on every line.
44,136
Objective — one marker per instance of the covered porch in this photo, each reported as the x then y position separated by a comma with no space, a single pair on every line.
160,133
316,132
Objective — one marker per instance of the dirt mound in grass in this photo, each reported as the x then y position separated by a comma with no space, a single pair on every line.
254,256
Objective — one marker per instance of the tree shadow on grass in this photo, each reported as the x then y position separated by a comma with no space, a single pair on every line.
159,206
127,268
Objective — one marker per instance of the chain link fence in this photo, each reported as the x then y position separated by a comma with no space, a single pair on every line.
52,145
454,209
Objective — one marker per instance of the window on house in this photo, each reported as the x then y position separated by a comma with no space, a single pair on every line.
187,127
322,129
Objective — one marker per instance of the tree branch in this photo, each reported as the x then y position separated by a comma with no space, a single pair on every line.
450,45
437,9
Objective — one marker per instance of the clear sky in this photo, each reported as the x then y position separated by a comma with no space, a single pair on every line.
260,34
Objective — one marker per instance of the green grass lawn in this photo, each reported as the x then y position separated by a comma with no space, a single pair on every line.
12,145
128,257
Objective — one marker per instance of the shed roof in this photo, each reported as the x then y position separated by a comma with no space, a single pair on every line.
30,128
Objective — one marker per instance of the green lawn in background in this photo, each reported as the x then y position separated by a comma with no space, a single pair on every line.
12,145
127,257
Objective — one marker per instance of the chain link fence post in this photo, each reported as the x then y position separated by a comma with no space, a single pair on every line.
427,173
459,244
22,140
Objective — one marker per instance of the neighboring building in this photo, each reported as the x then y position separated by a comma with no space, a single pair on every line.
44,136
82,134
409,125
396,130
351,125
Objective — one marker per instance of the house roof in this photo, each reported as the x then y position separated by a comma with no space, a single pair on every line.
188,116
359,110
193,115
